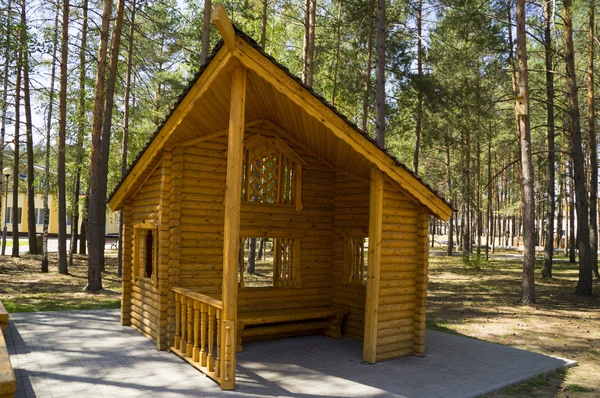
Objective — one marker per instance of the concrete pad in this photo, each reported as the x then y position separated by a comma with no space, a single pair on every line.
89,354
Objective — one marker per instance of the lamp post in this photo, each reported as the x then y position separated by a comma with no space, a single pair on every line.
7,172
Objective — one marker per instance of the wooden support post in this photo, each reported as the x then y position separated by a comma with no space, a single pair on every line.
373,270
203,330
182,341
231,232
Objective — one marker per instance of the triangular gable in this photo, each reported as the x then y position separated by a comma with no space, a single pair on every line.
253,57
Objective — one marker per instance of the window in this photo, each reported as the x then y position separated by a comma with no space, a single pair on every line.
8,215
145,251
272,172
356,259
39,216
269,262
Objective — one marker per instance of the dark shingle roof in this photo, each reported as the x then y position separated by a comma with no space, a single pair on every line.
256,46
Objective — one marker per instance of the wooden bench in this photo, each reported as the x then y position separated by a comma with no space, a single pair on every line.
8,385
112,240
267,325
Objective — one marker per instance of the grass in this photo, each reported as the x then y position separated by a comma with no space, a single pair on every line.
482,300
23,288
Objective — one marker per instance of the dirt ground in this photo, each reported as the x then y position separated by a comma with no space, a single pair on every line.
23,288
484,302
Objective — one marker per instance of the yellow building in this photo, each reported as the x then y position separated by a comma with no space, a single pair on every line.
112,219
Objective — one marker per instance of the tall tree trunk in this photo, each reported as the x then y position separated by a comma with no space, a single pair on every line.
419,112
48,137
527,281
310,15
478,210
31,219
337,52
367,93
263,24
380,76
84,224
62,132
80,133
79,142
126,128
593,147
572,235
97,196
15,190
449,183
205,32
584,284
490,217
547,269
7,61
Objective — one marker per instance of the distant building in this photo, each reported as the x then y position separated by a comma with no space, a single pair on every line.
112,219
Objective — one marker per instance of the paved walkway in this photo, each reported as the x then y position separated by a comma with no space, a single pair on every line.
88,354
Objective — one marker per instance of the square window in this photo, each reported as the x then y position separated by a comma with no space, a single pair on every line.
269,262
356,259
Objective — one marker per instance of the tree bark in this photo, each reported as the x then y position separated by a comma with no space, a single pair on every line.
380,76
584,284
126,129
48,137
7,62
31,219
367,93
449,183
593,146
80,133
15,189
309,42
263,24
337,51
97,195
62,132
527,281
572,236
549,252
419,112
205,32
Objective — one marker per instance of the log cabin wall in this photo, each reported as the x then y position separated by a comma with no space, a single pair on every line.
146,300
351,219
403,263
202,213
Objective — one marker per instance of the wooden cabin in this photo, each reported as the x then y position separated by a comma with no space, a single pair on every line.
249,154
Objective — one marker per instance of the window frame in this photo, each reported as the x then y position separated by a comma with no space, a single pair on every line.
349,274
294,283
140,232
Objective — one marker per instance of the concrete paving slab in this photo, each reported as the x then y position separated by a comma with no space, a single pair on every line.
89,354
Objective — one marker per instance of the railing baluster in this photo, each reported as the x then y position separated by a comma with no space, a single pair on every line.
190,328
196,350
218,353
203,326
177,320
211,339
183,323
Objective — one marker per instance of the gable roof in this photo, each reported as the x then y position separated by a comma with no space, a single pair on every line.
433,200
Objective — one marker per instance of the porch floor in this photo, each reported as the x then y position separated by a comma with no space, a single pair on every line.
89,354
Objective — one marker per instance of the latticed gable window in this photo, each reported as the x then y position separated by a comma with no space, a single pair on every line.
272,172
145,248
355,259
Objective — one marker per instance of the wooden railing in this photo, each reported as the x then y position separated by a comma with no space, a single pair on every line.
198,334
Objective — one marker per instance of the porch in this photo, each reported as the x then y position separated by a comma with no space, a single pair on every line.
88,353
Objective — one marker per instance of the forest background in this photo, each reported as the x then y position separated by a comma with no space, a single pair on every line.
85,85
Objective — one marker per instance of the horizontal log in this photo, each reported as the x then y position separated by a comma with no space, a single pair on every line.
284,328
394,347
385,317
396,308
394,354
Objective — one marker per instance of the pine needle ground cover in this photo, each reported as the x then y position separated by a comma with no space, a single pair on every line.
23,288
482,300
